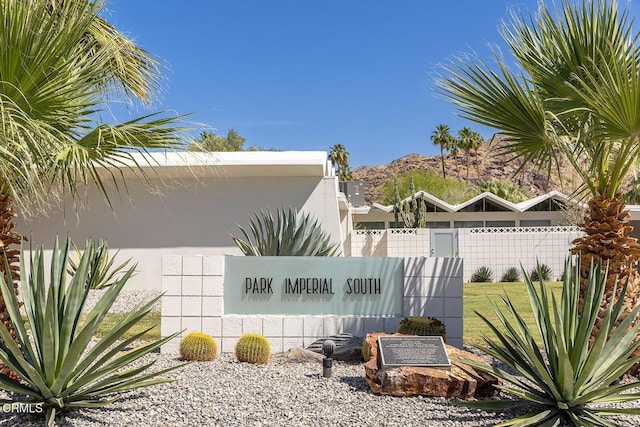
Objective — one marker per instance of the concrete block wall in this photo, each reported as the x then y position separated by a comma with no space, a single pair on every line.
194,301
433,287
500,249
496,248
408,242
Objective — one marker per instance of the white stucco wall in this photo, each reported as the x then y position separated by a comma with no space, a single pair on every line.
192,216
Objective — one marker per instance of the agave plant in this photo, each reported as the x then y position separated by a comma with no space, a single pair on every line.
102,272
287,235
541,272
482,274
511,274
57,367
562,375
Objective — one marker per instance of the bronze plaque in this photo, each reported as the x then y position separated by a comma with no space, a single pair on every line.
424,351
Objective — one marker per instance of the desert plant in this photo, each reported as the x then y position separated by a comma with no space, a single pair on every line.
287,235
511,274
541,272
505,189
52,357
482,274
413,212
564,376
253,348
53,138
424,326
198,346
366,351
567,99
442,137
451,190
102,272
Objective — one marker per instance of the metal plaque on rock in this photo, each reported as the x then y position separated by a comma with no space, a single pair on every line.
422,351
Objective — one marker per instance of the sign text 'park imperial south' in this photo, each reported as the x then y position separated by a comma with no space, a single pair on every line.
313,285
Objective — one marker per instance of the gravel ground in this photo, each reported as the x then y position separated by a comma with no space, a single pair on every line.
229,393
225,392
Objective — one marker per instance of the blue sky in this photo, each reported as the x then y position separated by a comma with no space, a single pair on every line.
305,75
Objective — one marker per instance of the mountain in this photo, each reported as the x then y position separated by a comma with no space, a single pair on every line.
489,165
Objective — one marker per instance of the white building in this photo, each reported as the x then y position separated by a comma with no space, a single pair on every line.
203,198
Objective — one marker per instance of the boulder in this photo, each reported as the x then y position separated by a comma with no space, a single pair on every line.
460,381
348,347
303,355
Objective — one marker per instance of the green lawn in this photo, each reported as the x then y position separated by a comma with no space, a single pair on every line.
477,297
151,320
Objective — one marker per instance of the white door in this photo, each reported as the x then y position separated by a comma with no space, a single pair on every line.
444,242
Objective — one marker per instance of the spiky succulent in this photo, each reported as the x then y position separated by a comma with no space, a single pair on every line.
482,274
511,274
564,376
102,272
289,234
51,355
541,272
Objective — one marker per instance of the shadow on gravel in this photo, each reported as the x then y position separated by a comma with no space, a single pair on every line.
357,384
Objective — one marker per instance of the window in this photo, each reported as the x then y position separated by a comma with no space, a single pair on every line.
489,206
484,205
476,206
438,224
535,222
501,223
548,205
373,225
468,224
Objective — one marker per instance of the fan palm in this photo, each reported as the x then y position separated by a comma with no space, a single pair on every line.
59,66
442,137
339,156
576,95
476,143
466,138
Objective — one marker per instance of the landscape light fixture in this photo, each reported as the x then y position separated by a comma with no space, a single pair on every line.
328,348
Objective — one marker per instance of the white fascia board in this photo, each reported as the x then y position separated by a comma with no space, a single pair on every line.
237,163
425,196
528,204
434,200
360,210
381,207
487,195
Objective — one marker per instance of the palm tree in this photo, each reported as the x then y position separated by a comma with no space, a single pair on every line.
465,141
442,137
63,65
454,149
476,143
339,156
575,95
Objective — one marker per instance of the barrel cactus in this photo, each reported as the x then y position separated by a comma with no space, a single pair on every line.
253,348
422,326
366,351
198,346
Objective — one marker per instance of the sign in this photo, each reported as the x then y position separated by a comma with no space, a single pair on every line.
313,285
422,351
